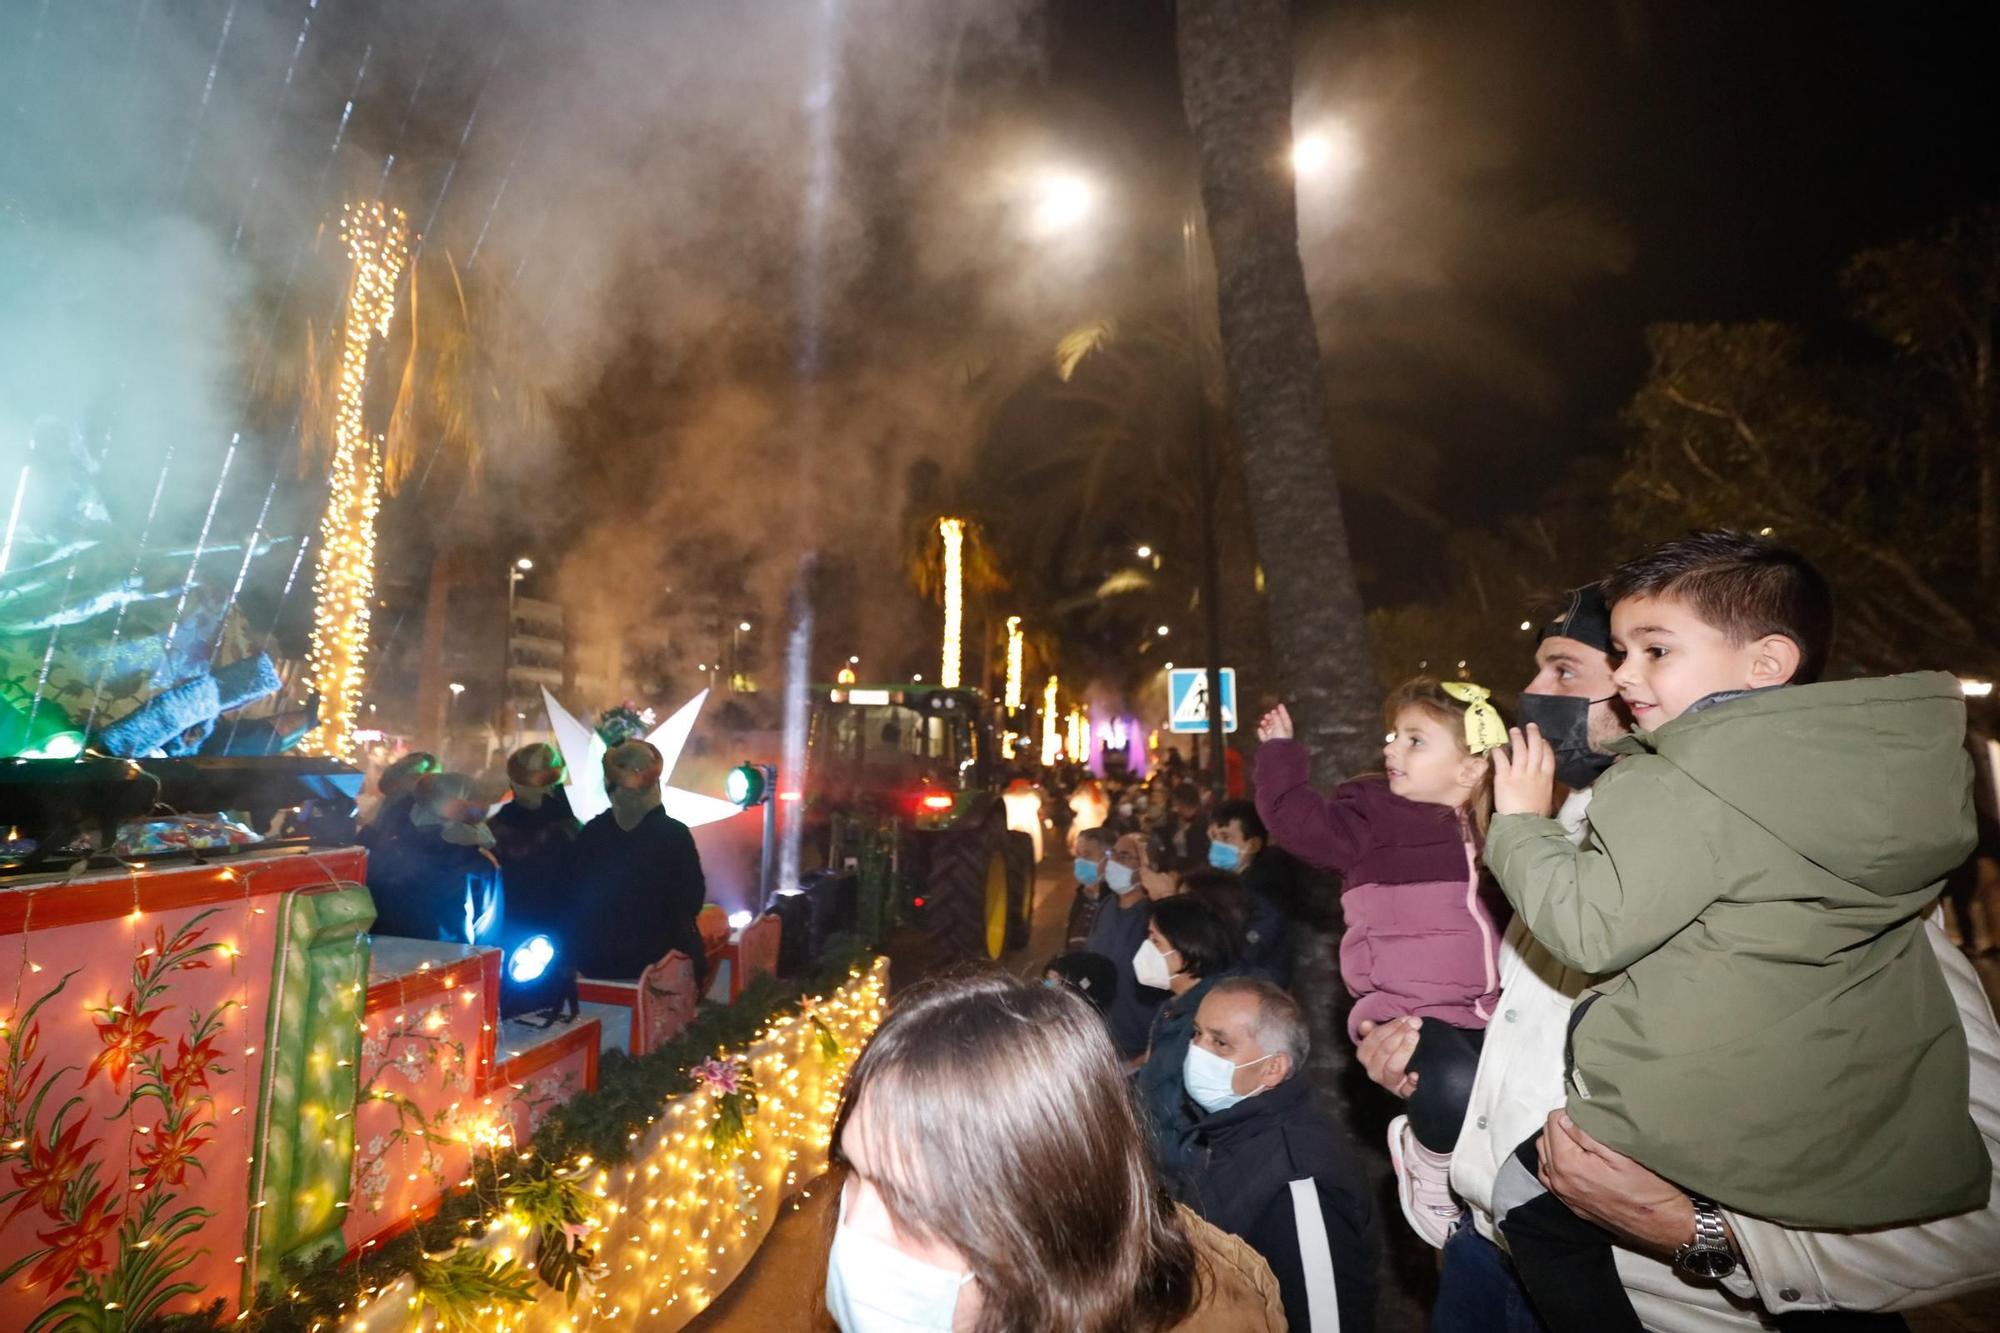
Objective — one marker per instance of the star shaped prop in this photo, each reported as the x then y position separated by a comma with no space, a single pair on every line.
583,753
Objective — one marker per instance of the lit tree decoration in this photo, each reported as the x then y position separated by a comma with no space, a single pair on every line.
377,240
1077,745
1015,647
1051,743
953,532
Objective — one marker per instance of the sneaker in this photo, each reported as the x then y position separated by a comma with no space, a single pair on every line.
1423,1185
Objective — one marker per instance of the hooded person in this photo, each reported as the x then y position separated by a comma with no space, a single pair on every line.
638,881
437,878
538,819
397,786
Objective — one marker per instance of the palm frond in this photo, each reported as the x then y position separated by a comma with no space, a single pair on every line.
1079,343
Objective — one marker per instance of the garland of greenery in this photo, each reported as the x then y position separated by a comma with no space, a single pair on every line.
605,1124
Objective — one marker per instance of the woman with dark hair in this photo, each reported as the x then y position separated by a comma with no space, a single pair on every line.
976,1096
1190,945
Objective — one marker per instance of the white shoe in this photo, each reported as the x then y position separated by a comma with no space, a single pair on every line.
1423,1185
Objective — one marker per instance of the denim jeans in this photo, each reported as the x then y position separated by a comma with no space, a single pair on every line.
1477,1291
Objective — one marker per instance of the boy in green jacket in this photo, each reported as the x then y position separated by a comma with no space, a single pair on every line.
1775,1033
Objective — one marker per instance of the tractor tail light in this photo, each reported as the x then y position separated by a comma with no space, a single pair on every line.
935,802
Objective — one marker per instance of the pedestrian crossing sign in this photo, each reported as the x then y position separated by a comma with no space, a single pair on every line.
1187,699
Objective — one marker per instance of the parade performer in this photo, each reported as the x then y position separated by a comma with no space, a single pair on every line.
638,883
437,879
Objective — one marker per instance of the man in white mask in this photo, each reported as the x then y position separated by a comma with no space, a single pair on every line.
1117,932
1262,1161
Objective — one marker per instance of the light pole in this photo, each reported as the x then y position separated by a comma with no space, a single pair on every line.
735,650
515,573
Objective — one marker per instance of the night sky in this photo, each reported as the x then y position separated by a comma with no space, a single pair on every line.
1745,149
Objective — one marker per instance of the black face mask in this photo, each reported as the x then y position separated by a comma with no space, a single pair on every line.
1565,723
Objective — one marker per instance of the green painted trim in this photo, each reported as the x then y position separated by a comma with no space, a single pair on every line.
303,1163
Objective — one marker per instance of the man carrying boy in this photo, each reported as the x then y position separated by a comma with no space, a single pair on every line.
1756,873
1519,1088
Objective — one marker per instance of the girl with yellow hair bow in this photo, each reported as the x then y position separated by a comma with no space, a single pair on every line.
1421,945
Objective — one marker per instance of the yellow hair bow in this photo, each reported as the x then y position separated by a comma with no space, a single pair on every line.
1483,728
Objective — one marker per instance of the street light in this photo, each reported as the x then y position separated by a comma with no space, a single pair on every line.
1144,553
1163,631
1327,154
1063,199
519,571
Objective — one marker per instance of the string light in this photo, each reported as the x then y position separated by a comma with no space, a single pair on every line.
682,1218
377,240
1077,743
953,532
1015,652
1050,741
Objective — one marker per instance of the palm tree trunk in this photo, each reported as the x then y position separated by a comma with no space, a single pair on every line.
1236,83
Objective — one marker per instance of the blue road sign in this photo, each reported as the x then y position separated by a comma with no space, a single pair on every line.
1187,699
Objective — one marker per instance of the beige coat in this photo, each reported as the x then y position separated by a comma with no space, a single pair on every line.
1238,1293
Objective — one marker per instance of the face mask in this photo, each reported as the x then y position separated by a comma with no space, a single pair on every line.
1149,967
529,796
1087,871
1225,855
1210,1079
1118,876
467,835
1125,808
630,807
873,1287
1565,723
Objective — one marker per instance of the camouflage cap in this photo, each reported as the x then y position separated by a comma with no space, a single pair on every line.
401,777
632,764
540,765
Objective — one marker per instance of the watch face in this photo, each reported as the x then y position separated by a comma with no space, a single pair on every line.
1709,1264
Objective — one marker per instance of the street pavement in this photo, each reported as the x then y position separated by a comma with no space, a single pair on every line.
778,1291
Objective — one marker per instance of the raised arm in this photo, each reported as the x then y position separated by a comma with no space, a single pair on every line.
1642,877
1329,833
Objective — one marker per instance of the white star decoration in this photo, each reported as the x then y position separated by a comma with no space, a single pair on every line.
583,755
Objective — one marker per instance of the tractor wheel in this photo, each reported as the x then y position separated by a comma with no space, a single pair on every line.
1019,850
967,888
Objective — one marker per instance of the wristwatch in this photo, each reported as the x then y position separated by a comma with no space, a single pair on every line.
1708,1255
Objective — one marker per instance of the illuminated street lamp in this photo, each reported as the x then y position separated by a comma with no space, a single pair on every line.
1326,154
1162,631
519,570
1063,200
1144,553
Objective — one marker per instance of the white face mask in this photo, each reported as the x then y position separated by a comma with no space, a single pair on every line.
873,1287
1118,877
1211,1080
1149,967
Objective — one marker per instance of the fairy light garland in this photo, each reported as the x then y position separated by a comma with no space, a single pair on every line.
377,240
674,1224
1051,741
953,532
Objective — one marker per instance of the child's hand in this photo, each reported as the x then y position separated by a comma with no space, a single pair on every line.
1524,775
1275,725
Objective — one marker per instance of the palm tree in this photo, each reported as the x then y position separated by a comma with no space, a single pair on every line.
1236,84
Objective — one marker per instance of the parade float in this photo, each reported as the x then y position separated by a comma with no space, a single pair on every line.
225,1103
221,1097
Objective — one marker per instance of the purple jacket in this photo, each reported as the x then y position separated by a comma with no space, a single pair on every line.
1419,940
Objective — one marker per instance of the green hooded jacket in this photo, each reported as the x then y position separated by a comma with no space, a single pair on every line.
1778,1036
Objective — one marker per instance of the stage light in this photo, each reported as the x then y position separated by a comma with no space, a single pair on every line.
530,959
748,784
738,920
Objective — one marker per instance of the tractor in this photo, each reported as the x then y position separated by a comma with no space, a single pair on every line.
903,792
